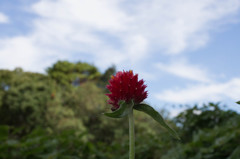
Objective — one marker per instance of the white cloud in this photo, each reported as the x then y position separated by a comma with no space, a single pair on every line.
22,52
178,25
119,32
203,93
182,69
3,18
102,15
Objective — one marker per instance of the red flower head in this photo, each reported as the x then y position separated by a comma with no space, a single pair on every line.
125,86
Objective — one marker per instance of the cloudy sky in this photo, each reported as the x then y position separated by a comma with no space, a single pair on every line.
187,51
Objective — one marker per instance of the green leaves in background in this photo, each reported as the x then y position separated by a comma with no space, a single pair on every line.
122,111
156,116
238,102
3,132
42,118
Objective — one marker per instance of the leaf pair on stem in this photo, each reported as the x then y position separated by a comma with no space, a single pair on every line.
125,109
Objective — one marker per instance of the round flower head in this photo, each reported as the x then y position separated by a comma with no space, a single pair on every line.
125,86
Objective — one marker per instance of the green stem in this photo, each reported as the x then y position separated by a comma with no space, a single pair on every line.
131,136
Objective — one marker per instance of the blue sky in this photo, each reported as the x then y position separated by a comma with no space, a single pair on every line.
187,51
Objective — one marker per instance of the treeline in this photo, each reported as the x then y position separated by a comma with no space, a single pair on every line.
58,115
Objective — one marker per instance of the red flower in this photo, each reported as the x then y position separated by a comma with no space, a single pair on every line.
125,86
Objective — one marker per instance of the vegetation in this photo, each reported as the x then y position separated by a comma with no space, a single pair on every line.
58,115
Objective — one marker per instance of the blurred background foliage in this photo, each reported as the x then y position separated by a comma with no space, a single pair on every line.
58,115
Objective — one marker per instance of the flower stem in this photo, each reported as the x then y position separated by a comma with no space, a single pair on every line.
131,135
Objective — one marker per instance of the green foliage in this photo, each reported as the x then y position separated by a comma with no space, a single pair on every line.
205,117
41,145
106,76
59,116
67,73
24,98
213,134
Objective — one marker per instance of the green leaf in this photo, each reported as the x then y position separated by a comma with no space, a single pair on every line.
156,116
122,111
238,102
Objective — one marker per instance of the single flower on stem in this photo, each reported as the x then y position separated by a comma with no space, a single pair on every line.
126,87
127,93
